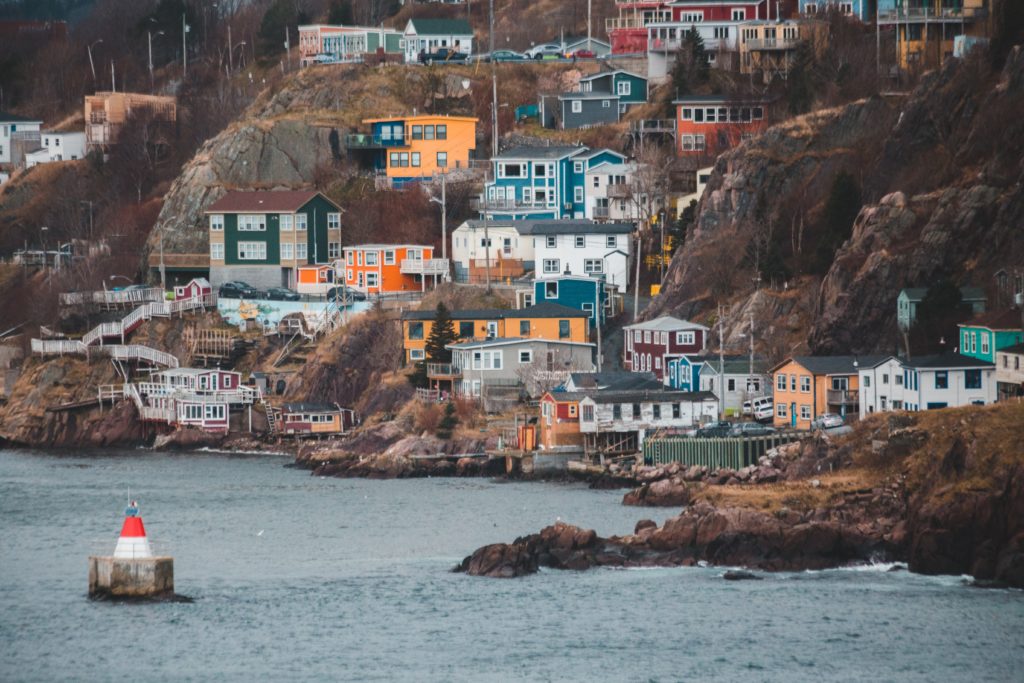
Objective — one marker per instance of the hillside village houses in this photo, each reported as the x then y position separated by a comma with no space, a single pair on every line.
985,334
262,237
392,268
426,36
1010,372
947,380
507,249
106,113
736,384
408,149
649,344
18,135
329,44
590,294
600,98
708,125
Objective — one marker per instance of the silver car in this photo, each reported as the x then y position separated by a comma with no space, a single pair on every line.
827,421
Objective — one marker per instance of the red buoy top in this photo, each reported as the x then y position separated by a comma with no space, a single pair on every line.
133,528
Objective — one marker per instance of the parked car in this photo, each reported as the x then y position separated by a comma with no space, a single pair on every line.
584,54
714,430
343,294
236,289
282,294
443,54
761,409
751,429
545,51
505,56
827,421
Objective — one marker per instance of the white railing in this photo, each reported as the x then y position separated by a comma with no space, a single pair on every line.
139,352
773,44
923,14
48,347
124,296
432,266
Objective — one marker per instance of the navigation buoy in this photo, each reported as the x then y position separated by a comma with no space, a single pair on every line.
132,571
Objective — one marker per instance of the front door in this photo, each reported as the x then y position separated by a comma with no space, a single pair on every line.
792,415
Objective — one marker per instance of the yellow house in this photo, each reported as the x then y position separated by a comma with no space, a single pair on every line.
543,321
809,386
926,30
408,148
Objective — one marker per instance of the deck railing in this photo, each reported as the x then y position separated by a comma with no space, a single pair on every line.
432,266
443,370
735,453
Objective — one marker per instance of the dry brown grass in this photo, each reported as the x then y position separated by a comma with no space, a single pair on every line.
795,495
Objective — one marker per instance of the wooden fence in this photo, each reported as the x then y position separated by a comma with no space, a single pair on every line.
735,453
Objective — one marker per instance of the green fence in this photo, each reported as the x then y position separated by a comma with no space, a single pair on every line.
735,453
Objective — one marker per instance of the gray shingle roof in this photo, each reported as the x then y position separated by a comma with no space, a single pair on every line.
652,396
439,27
615,381
552,152
837,365
568,226
541,310
942,361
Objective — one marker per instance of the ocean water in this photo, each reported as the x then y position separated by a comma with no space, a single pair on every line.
298,578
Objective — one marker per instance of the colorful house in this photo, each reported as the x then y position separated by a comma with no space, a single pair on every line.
314,419
1010,372
586,294
560,420
946,380
263,237
682,373
14,129
911,297
392,268
407,149
542,321
426,36
615,422
315,279
808,386
927,30
196,288
332,44
989,332
600,99
708,125
541,182
648,343
769,48
735,384
861,9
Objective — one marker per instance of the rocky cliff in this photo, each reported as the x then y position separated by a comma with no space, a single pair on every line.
941,173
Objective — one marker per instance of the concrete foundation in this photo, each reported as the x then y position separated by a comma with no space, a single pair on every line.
115,577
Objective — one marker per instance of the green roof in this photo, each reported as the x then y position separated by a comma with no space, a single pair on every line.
439,27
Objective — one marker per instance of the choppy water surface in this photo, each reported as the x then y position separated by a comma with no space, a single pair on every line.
301,578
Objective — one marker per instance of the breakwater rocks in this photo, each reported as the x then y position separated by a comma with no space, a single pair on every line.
730,536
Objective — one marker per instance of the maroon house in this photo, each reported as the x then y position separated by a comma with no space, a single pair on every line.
648,344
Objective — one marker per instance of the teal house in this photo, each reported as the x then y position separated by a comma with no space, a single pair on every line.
683,372
985,334
541,182
585,294
628,87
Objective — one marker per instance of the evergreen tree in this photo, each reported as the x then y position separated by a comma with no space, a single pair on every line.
692,68
341,13
442,333
448,422
841,209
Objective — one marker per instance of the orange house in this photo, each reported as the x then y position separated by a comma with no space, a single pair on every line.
707,125
314,279
392,268
809,386
560,419
409,148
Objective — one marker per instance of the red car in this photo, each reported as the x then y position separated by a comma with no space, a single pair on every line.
584,54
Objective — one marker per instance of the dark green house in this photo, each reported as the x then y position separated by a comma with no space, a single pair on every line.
267,238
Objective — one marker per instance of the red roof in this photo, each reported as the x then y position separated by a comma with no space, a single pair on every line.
262,201
996,320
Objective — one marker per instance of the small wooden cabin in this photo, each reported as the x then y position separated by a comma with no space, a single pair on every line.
315,419
314,279
199,379
196,287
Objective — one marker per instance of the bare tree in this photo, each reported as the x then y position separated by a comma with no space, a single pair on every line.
546,373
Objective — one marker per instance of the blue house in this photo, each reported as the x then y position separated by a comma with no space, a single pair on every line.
862,9
541,182
575,291
683,372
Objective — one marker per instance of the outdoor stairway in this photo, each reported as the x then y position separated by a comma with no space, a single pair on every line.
94,338
139,393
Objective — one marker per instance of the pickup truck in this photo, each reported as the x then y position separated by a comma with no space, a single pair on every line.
442,54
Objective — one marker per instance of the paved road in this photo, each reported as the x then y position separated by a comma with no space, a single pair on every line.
611,341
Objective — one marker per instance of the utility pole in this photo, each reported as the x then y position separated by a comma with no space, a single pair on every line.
113,81
92,66
494,87
636,285
444,217
721,366
598,310
288,47
184,48
163,270
487,254
589,33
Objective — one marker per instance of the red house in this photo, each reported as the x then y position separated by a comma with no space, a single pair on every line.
691,11
708,125
628,34
648,343
197,287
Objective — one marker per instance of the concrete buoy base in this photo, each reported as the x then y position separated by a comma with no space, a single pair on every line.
116,577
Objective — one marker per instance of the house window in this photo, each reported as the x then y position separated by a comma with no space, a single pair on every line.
731,385
416,159
507,170
984,343
551,266
287,251
687,114
805,412
524,328
657,411
805,384
371,258
616,411
551,241
466,330
739,15
780,409
252,223
550,290
606,104
428,132
372,280
300,221
580,241
867,381
657,362
417,132
333,250
721,32
593,266
972,379
415,330
442,159
285,221
686,338
300,251
611,242
252,251
577,167
526,356
333,221
622,88
636,411
942,379
780,382
885,378
389,258
416,354
563,329
217,222
577,106
577,194
442,132
217,251
588,413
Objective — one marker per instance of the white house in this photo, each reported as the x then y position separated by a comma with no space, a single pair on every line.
703,176
1010,372
63,146
574,247
737,383
628,417
941,381
429,35
608,192
13,128
510,252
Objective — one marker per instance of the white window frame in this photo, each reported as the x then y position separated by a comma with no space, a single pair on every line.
416,354
301,251
286,220
371,258
686,338
577,106
287,251
334,221
252,222
333,250
372,280
551,241
389,257
593,266
217,222
580,241
577,195
245,249
612,241
577,167
526,356
301,221
551,266
216,251
623,88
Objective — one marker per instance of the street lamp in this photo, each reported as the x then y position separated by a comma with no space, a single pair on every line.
92,65
150,35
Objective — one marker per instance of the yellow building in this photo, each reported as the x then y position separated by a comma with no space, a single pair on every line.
543,321
927,30
805,387
107,112
409,148
769,48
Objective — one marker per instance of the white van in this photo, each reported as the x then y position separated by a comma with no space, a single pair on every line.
762,408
